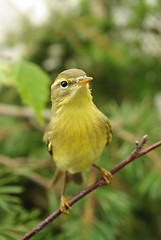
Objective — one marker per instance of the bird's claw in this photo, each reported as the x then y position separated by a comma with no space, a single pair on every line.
106,175
64,205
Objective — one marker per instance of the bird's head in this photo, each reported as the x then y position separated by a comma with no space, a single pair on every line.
70,85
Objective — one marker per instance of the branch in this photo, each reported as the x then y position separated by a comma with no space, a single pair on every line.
134,155
18,165
21,112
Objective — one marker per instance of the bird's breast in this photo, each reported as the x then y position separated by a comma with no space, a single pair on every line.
78,138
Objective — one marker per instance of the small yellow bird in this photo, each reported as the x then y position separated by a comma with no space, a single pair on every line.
78,131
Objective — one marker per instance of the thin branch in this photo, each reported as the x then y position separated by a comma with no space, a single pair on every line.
23,162
18,165
134,155
21,112
125,135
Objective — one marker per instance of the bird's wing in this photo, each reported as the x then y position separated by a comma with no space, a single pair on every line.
109,132
46,139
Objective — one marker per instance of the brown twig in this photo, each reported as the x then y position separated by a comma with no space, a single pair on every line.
21,112
23,162
127,136
18,165
134,155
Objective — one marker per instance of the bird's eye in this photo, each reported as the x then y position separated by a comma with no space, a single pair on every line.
64,84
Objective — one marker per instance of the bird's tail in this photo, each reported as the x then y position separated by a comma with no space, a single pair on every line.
77,178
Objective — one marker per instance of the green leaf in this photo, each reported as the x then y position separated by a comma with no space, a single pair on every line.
32,84
10,189
5,77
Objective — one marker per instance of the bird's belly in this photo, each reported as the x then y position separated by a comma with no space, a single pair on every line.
77,157
79,146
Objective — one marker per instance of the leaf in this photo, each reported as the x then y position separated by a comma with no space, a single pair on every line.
10,189
5,77
32,84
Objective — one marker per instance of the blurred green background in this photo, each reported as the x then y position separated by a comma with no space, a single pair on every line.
118,43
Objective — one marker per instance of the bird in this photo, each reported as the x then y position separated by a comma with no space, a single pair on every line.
78,131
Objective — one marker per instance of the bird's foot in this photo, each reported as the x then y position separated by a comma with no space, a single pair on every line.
105,174
64,205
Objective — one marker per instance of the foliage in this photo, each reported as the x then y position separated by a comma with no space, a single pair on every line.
27,77
119,53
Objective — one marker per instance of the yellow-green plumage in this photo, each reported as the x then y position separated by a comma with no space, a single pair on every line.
78,131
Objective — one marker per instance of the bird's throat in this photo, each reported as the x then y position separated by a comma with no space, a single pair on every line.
79,100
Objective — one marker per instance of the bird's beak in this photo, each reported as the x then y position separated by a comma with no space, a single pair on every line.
84,80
